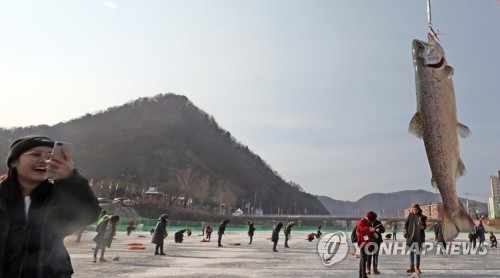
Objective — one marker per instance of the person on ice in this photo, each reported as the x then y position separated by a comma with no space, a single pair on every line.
222,229
160,233
288,233
105,234
251,230
414,232
377,241
493,240
208,232
276,235
365,234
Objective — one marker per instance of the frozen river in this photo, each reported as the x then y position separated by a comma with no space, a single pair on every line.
194,258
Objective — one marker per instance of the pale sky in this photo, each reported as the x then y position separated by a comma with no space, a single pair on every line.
321,90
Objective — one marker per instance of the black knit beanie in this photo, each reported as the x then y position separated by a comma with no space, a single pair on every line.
23,144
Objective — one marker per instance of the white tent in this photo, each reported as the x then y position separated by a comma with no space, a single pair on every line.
238,212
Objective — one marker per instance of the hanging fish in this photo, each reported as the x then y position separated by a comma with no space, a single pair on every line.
436,123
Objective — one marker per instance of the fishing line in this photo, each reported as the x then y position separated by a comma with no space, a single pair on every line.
429,19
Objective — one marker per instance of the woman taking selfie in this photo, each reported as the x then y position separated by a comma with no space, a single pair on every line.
36,213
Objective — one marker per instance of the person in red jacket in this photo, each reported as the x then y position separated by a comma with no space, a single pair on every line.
365,234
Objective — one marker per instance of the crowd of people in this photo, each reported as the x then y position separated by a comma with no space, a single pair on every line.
369,233
46,199
368,236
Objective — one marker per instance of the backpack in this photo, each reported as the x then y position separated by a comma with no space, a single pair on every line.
354,235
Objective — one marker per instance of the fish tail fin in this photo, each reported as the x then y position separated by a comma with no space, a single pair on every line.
463,130
415,127
456,221
460,168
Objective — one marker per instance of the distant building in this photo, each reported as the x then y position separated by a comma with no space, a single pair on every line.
494,199
495,187
433,210
493,208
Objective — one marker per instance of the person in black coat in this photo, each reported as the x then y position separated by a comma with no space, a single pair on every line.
37,213
160,234
105,234
288,233
414,232
480,231
222,229
251,230
493,240
276,235
377,240
179,235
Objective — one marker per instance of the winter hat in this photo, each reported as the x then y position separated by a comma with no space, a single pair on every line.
23,144
371,216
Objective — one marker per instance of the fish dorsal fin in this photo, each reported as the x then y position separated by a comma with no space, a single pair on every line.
415,127
460,168
463,130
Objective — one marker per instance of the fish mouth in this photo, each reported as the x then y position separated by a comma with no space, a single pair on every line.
438,64
428,53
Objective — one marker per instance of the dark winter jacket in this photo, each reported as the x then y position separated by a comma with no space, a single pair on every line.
480,231
276,232
179,236
160,231
414,233
57,210
288,228
251,229
472,235
379,230
222,227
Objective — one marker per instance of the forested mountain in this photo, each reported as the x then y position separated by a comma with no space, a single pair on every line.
389,204
167,142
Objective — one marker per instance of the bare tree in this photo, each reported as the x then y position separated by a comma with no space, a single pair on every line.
223,193
193,184
201,192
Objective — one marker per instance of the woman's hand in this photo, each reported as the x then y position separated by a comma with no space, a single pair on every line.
62,167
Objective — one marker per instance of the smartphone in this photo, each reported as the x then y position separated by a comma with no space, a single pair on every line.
58,145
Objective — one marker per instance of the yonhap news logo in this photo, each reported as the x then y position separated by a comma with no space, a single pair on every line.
332,248
401,248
